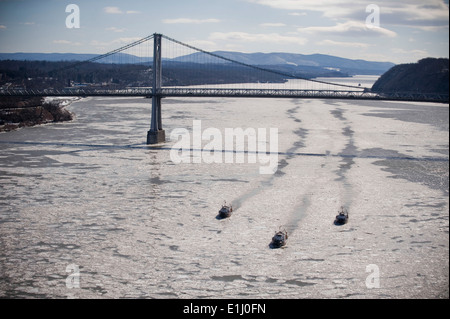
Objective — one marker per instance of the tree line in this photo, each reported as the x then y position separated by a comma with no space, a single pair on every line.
45,74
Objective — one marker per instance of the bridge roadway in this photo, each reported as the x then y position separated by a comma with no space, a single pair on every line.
231,92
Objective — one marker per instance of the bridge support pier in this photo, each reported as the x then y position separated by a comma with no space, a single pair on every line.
156,137
156,134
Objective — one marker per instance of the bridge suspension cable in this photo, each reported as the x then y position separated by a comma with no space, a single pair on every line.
99,57
292,76
252,66
138,82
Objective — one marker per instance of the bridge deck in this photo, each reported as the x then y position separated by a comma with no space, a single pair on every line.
232,92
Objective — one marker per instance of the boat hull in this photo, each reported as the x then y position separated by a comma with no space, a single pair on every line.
225,212
341,220
278,241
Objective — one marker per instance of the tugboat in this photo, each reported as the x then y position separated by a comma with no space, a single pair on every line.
341,217
225,211
279,240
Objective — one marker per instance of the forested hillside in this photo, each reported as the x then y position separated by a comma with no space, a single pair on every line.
429,75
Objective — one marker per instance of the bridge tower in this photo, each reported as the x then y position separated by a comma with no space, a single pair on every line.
156,134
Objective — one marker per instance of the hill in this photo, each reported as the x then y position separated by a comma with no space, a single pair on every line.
429,75
314,64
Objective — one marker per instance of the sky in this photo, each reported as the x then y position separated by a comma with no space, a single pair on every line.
376,30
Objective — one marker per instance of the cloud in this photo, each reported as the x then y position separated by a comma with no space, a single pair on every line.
112,10
427,15
272,25
2,27
413,13
117,10
330,8
114,29
344,44
297,14
421,53
189,21
261,37
350,28
432,28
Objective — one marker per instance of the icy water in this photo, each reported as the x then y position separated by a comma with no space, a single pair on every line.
87,210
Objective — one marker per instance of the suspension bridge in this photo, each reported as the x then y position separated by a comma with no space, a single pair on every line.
192,72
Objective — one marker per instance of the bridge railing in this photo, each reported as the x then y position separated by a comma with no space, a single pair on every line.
231,92
78,92
177,91
244,92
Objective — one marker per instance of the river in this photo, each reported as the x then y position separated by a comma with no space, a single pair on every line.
87,210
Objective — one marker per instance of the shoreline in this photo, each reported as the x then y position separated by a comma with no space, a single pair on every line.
50,110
